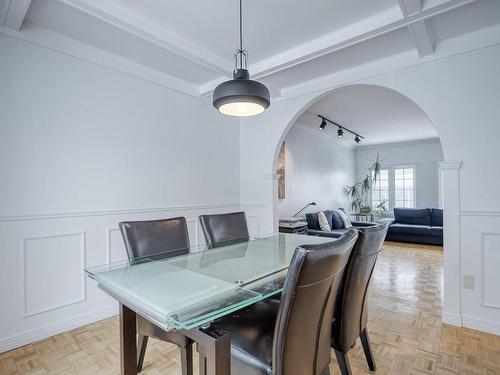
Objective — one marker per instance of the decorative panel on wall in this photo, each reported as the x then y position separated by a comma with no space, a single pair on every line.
53,272
490,249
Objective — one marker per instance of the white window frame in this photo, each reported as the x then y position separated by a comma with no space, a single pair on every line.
379,190
392,185
414,183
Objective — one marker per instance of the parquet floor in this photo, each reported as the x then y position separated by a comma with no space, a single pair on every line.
405,330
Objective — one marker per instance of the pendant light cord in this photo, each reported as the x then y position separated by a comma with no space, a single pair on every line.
241,27
241,54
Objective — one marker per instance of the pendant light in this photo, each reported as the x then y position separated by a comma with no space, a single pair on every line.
241,96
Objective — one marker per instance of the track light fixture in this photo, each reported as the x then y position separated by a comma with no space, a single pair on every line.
323,125
340,131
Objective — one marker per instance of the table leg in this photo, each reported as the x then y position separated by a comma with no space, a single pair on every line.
128,346
214,347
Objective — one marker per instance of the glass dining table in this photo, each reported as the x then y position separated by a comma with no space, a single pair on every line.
185,293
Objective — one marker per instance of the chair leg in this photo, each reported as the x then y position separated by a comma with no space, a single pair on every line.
142,342
365,341
187,360
203,365
343,360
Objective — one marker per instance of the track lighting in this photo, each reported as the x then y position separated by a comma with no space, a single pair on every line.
323,125
340,131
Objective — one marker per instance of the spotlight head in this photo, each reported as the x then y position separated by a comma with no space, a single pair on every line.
357,139
340,132
323,125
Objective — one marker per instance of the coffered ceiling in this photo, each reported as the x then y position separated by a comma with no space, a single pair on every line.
189,46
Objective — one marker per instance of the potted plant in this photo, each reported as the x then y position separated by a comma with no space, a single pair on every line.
358,192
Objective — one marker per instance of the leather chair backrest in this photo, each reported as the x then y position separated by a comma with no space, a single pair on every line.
303,325
350,314
224,229
167,237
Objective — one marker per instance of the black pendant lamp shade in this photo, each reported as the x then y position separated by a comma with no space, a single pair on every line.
241,96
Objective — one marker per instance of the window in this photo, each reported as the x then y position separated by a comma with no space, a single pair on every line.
404,187
380,189
396,186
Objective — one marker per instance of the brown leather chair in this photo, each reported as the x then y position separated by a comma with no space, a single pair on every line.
292,337
224,229
158,239
350,315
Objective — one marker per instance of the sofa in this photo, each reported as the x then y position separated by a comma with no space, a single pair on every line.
336,223
422,225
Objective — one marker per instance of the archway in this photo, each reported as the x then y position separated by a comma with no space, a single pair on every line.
259,149
382,115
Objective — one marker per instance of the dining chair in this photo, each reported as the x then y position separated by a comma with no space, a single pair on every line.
292,337
224,229
350,317
158,238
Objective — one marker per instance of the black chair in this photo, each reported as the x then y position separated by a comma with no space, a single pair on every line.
292,337
350,315
224,229
158,239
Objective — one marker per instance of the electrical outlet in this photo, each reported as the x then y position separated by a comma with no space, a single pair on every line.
469,282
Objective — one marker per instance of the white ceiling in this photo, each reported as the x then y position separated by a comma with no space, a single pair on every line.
379,114
189,46
270,26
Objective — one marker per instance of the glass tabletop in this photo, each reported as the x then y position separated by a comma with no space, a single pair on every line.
186,291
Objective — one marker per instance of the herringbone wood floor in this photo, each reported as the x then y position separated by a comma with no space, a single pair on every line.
405,330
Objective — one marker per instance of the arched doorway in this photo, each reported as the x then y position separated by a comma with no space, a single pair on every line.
383,116
261,140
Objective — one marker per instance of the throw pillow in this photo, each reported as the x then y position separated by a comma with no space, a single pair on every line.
323,222
345,218
337,222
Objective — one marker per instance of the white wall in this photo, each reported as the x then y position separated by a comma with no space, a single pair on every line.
318,167
83,147
424,156
460,96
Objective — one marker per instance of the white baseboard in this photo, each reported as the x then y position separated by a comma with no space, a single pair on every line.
41,333
451,319
481,325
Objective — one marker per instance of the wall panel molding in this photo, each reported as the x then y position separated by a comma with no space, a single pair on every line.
73,214
24,272
479,213
484,263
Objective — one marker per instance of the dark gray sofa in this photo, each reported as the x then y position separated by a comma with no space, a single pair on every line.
422,225
313,228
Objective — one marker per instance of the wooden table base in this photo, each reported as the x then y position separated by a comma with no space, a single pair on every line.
128,343
214,346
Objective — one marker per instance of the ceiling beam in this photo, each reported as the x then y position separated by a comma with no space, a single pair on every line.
13,13
133,23
369,28
420,30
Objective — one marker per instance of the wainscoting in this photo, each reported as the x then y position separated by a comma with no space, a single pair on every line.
43,260
480,254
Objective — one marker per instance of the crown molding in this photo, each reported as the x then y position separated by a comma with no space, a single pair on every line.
71,47
453,164
121,17
415,142
361,31
13,13
459,45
